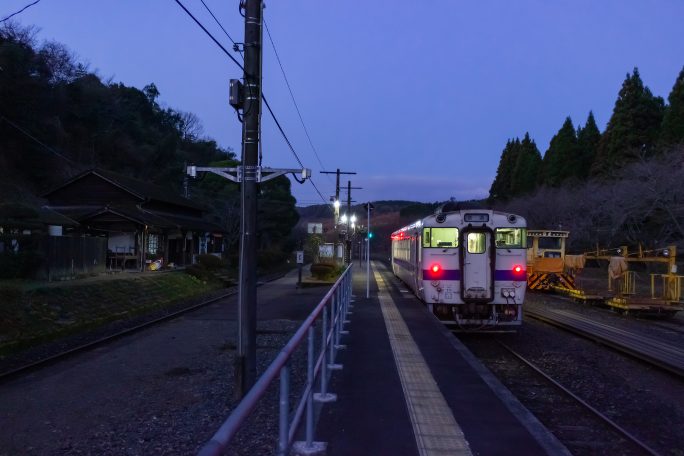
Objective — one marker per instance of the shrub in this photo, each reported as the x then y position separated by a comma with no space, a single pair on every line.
323,271
199,272
211,262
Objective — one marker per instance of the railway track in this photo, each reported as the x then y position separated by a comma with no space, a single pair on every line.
662,355
625,434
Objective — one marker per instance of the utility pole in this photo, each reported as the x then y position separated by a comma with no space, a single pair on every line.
247,98
336,204
347,241
245,362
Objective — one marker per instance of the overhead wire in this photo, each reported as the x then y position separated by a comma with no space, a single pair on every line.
294,101
19,12
60,155
268,106
210,35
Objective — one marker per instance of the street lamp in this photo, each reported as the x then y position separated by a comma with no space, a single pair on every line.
343,219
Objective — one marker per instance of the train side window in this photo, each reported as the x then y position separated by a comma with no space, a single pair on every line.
426,237
511,238
477,242
441,237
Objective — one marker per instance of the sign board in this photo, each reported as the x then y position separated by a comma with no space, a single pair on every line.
315,228
300,256
325,250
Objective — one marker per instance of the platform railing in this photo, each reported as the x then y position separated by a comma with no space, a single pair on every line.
331,311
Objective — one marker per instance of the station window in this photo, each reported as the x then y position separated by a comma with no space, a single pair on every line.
511,238
152,244
477,242
440,237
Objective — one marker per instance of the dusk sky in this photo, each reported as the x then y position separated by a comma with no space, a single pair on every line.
417,97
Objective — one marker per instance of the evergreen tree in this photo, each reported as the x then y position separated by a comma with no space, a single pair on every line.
560,159
633,128
526,169
501,187
587,142
672,131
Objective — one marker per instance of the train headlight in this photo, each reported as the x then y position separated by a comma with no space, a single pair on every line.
508,292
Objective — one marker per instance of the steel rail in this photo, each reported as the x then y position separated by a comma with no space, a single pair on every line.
654,352
587,406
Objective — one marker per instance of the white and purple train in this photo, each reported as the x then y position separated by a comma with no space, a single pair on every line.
468,266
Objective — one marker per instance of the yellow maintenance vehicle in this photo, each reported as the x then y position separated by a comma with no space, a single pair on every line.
546,260
666,289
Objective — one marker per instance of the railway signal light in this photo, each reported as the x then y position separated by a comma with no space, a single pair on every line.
370,235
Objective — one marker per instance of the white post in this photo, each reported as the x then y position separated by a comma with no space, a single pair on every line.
368,254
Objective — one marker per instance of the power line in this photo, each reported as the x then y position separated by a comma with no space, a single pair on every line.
220,25
289,144
37,140
292,95
275,119
20,11
210,35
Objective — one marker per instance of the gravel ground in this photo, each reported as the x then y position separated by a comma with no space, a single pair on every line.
117,400
644,400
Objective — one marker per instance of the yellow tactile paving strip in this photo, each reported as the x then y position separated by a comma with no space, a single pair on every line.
435,428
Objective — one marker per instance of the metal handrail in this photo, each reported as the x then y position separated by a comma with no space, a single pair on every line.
339,297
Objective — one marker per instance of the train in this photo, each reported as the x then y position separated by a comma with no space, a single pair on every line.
468,266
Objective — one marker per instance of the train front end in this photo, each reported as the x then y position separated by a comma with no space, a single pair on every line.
473,267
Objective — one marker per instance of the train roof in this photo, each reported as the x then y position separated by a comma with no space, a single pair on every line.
431,220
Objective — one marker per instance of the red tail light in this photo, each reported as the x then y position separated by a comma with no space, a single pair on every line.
435,268
518,269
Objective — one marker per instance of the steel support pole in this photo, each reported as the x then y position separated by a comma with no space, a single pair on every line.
309,399
368,239
284,410
245,369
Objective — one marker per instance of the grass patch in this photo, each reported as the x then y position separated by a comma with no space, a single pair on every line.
32,316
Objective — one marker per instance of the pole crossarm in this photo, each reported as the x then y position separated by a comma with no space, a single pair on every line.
261,174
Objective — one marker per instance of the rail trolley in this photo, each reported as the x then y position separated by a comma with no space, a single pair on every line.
468,266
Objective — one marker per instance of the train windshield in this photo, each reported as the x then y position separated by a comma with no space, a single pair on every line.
511,238
440,237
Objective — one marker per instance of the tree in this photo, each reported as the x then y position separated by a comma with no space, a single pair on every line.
672,131
633,127
588,138
560,160
526,169
501,187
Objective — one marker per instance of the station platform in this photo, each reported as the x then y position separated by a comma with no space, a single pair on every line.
408,386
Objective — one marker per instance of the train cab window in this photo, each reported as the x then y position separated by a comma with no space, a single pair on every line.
477,242
511,238
440,237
